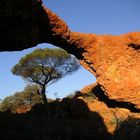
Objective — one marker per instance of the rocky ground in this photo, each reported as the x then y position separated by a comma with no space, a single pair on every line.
81,117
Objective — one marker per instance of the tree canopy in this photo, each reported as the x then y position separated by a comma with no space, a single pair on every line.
45,66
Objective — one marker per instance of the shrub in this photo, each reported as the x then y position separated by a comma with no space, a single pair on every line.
27,97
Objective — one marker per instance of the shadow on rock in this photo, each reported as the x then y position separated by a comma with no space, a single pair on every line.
99,93
62,120
129,129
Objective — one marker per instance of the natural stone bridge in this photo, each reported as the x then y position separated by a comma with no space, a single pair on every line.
113,60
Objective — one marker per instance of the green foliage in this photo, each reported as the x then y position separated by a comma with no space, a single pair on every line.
45,66
116,121
41,62
91,96
7,104
29,96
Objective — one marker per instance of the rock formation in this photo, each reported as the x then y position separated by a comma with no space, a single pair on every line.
114,60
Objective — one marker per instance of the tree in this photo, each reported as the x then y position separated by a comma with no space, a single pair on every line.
44,67
6,104
29,96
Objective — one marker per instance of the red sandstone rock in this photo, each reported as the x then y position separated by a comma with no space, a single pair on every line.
114,60
116,63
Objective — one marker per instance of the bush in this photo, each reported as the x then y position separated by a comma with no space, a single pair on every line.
27,97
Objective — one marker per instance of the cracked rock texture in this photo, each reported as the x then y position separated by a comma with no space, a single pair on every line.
114,60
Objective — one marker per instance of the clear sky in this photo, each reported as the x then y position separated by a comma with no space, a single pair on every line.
89,16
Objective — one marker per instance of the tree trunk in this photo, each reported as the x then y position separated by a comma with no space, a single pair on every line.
44,98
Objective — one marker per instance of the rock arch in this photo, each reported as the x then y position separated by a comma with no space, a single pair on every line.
114,60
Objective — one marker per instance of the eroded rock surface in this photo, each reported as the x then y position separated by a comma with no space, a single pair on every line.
114,60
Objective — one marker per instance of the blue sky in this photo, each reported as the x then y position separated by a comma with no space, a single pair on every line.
89,16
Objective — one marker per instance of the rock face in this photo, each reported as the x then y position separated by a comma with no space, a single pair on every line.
114,60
